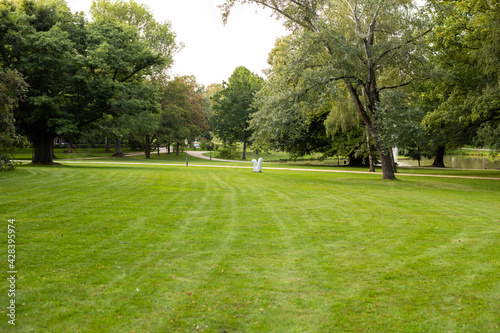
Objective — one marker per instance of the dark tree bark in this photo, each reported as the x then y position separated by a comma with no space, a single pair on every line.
108,145
373,99
118,148
393,162
439,158
148,142
52,154
244,146
355,161
43,148
370,157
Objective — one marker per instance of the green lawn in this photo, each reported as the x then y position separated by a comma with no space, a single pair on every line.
157,248
62,154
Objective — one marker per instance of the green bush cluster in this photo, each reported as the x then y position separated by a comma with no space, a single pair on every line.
205,145
6,163
227,153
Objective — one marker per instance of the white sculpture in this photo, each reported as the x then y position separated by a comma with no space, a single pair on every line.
257,165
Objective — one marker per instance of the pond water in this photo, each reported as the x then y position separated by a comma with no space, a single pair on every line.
457,161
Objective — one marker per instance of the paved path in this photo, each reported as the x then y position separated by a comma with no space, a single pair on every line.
194,153
272,168
199,154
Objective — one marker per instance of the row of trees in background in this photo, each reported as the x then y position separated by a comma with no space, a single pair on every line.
80,72
353,78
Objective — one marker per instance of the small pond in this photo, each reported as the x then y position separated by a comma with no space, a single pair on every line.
457,161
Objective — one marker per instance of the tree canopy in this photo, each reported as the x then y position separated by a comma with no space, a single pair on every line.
12,90
77,70
466,54
233,106
368,46
183,105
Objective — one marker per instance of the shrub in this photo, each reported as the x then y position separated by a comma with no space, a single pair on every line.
227,153
6,164
204,145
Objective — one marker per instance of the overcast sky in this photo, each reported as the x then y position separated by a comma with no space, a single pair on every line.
211,50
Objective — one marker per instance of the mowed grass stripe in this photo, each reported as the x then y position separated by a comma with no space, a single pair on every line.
156,248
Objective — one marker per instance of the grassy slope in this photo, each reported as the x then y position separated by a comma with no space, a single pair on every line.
154,248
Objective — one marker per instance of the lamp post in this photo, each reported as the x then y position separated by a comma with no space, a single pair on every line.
186,142
210,145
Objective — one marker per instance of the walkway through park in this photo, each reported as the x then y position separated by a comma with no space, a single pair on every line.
199,154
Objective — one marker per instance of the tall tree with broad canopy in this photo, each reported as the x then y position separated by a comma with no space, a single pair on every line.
466,52
182,111
233,106
77,71
368,45
159,37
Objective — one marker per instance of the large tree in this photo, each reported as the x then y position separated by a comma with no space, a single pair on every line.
369,45
466,53
233,106
77,70
182,111
37,39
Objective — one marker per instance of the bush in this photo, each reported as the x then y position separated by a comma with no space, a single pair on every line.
227,153
6,164
205,145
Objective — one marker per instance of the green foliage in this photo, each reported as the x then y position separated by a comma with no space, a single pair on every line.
229,153
159,35
466,53
12,90
342,116
488,135
399,121
292,106
183,110
6,163
208,145
233,106
363,47
78,71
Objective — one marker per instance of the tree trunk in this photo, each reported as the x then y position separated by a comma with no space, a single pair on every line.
439,158
370,157
43,147
52,150
108,145
244,148
168,147
393,162
147,146
177,148
385,159
355,161
118,148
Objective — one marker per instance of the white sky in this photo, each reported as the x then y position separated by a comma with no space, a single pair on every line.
211,50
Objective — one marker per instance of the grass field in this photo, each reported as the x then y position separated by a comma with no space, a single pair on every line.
156,248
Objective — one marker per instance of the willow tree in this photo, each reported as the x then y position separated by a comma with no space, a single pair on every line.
368,45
